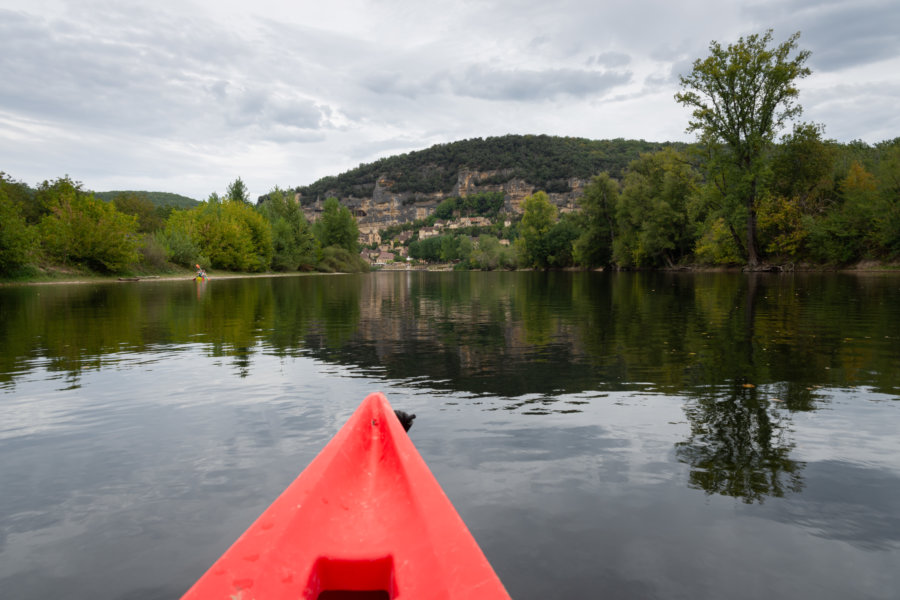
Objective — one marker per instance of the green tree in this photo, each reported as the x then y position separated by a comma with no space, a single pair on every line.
293,242
538,218
490,254
888,219
848,232
560,241
83,230
237,192
428,249
229,235
17,238
801,191
652,211
593,248
337,227
741,97
449,248
445,209
180,238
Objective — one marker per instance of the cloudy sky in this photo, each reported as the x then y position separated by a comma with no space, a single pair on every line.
186,95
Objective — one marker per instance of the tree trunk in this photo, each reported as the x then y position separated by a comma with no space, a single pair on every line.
737,241
752,250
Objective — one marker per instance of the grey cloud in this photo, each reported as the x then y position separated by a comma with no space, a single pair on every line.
260,108
864,111
65,72
479,81
840,34
150,73
397,84
302,114
609,59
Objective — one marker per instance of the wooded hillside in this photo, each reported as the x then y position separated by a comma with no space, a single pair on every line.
547,162
157,198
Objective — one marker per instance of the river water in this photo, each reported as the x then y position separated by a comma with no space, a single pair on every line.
603,435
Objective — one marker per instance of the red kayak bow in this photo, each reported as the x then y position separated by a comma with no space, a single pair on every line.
365,519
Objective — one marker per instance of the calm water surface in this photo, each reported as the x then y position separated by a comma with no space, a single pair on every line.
603,435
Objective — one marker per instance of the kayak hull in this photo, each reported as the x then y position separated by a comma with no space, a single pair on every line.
366,515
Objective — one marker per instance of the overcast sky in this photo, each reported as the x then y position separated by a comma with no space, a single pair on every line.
184,96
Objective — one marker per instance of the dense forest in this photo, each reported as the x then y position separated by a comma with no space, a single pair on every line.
547,162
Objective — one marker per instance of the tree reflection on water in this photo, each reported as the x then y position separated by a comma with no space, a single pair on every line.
739,446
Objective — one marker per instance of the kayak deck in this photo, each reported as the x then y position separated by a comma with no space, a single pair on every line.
367,518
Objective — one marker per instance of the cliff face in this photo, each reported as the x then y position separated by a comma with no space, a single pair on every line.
384,207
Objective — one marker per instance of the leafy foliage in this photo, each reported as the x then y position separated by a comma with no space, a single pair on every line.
229,235
339,260
652,214
293,243
489,255
538,219
17,238
593,248
742,96
83,230
237,191
337,227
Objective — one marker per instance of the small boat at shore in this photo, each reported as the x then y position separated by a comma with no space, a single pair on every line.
365,519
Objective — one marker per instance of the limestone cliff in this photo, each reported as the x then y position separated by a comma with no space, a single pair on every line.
385,207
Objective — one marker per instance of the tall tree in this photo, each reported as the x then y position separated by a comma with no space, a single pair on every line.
337,227
652,211
292,239
237,191
537,220
742,97
598,205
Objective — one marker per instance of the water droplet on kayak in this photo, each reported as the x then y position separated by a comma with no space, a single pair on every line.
269,525
252,557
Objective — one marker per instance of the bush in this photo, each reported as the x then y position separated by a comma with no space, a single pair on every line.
153,253
338,260
180,247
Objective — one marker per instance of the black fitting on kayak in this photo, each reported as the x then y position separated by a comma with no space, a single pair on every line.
406,419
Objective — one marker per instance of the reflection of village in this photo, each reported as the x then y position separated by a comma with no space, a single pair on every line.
395,254
485,338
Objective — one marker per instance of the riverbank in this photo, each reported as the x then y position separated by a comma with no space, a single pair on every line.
63,277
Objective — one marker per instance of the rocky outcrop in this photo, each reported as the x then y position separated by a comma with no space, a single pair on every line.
385,207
